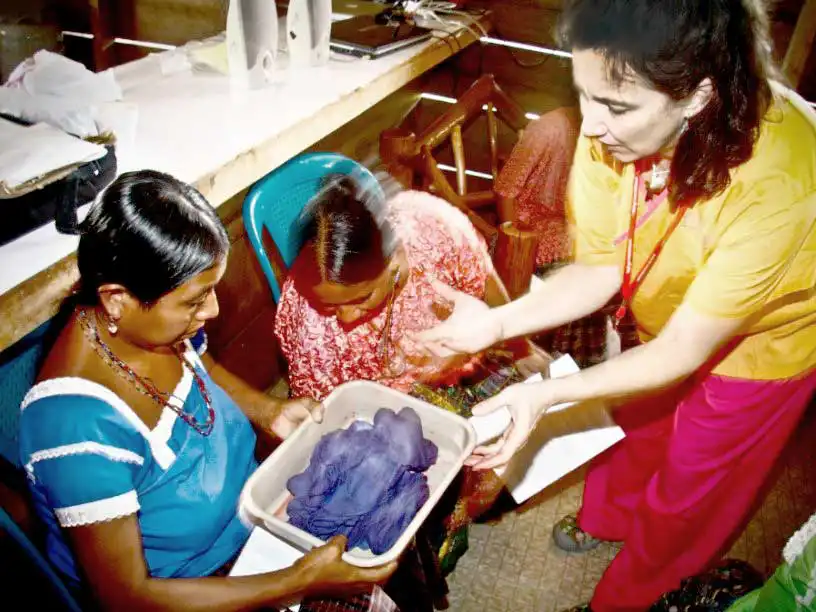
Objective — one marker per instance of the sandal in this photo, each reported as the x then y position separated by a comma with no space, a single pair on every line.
583,608
571,538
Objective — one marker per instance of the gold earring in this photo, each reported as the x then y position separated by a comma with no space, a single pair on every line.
112,327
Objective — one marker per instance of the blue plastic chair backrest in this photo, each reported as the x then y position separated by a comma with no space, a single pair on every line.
18,371
276,201
39,561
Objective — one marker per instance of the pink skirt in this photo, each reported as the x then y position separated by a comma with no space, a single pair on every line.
678,489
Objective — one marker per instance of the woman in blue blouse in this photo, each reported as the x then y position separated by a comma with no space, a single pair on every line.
136,444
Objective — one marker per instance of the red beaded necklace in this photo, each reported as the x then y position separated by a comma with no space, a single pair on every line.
630,285
146,386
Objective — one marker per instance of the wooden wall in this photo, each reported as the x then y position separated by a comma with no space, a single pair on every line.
538,82
178,21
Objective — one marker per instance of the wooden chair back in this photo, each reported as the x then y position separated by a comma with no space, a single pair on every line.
411,159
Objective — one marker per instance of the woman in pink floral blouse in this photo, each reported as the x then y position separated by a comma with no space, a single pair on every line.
363,284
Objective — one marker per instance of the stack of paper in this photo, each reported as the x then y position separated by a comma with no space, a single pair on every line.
264,553
28,153
562,442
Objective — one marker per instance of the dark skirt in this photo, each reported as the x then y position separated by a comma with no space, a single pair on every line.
712,591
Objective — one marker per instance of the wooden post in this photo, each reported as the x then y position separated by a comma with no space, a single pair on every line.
397,145
801,44
492,138
515,258
102,35
506,207
459,159
110,19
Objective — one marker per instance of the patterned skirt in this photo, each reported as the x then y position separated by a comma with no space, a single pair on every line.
473,493
375,601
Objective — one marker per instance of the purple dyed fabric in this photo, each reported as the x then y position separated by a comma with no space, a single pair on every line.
365,482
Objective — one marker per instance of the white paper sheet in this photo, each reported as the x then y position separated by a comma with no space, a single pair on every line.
263,553
565,442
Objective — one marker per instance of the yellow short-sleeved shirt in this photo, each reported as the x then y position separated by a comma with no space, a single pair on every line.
750,252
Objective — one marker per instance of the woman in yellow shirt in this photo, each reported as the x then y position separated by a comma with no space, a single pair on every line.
693,193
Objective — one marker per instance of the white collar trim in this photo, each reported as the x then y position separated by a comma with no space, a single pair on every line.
71,385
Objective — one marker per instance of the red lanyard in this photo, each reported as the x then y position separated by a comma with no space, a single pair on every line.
629,286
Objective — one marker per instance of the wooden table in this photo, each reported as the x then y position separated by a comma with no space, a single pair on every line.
194,127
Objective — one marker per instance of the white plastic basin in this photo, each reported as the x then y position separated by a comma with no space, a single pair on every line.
265,495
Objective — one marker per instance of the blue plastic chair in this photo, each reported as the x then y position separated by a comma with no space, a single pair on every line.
275,202
18,370
39,562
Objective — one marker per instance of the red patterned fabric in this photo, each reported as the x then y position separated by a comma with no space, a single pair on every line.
536,176
376,601
438,241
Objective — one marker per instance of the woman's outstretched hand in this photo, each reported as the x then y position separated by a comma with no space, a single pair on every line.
292,413
525,402
468,330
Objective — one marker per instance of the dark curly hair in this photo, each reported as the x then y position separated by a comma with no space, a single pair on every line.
675,45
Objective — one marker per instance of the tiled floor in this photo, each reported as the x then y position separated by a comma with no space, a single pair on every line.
513,564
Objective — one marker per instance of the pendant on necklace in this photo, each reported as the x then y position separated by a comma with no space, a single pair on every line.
659,178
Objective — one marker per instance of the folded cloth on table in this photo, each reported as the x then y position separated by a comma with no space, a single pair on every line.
67,115
51,74
50,88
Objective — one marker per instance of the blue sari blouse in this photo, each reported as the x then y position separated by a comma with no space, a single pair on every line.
89,459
